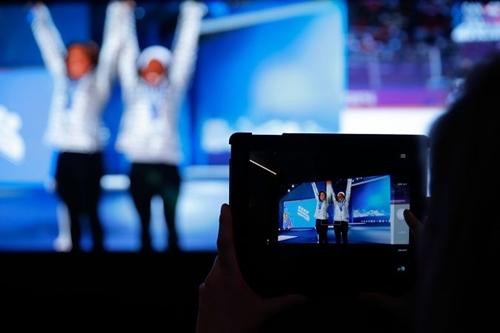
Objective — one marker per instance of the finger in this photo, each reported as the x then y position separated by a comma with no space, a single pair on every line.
412,221
225,239
214,273
205,315
275,305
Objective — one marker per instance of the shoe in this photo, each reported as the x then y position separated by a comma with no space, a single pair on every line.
62,244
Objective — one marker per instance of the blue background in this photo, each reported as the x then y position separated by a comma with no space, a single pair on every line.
230,65
298,221
372,196
365,198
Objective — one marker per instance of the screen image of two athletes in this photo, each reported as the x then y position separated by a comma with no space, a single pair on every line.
359,210
266,67
134,156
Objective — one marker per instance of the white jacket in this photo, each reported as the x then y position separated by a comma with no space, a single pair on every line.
341,209
75,114
149,128
321,212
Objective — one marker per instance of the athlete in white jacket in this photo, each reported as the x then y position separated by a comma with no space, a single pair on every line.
341,213
82,78
153,84
323,201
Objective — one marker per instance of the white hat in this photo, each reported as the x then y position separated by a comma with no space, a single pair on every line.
157,52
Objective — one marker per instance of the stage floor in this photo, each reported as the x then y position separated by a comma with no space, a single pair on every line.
357,234
28,218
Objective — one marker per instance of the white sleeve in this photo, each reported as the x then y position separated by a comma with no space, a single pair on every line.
111,42
129,52
330,194
185,46
49,40
348,189
315,190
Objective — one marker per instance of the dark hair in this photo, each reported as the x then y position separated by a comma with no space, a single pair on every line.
90,47
319,194
459,248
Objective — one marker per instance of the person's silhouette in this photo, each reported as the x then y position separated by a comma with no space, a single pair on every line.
457,280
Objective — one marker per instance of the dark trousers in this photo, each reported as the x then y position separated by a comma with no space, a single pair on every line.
78,179
341,228
322,230
146,181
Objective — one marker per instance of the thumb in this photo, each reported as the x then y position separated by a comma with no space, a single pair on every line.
412,221
275,305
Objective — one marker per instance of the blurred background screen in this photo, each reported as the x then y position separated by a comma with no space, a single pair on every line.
368,66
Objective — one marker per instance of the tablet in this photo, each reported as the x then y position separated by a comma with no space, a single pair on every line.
313,206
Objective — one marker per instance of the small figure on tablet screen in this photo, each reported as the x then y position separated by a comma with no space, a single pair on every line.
323,201
341,213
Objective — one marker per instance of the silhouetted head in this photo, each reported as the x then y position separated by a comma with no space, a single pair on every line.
81,58
460,239
153,64
340,196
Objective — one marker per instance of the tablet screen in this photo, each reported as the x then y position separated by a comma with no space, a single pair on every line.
358,210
